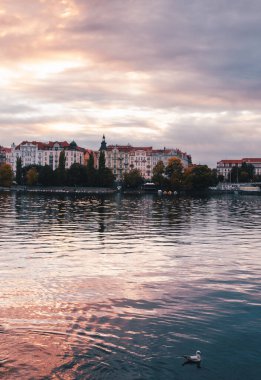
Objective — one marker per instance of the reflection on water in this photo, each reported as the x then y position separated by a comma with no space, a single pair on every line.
121,287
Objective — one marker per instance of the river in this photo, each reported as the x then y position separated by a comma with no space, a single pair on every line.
120,287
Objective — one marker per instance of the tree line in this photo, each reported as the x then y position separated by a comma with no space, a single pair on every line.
172,177
76,175
175,177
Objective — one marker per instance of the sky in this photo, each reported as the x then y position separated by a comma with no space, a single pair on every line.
162,73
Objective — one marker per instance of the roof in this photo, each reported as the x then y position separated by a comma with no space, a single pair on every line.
63,144
148,149
88,151
230,162
249,160
6,150
122,148
163,151
50,145
246,160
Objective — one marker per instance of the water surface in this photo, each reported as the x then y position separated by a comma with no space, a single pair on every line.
120,287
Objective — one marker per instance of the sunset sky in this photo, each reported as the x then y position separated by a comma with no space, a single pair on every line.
171,73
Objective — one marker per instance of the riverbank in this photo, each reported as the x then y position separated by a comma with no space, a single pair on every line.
96,190
59,190
79,190
105,190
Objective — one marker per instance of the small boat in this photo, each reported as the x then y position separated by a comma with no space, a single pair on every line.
149,187
249,190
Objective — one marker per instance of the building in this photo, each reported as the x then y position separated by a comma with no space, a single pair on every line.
2,155
5,155
39,153
87,154
256,162
224,167
123,158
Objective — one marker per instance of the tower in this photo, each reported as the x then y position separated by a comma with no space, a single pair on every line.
103,144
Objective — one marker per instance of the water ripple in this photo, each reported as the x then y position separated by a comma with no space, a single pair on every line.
119,287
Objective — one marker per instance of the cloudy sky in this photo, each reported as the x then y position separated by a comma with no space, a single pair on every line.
171,73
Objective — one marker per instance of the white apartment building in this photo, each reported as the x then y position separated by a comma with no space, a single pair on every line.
123,158
224,167
39,153
256,162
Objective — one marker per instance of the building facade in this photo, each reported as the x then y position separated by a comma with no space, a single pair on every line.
39,153
123,158
5,155
224,167
256,162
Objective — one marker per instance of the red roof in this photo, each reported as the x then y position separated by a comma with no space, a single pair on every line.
251,160
63,144
6,150
88,151
49,145
162,150
247,160
122,148
146,148
230,162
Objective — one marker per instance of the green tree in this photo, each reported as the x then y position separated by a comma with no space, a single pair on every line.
91,171
101,161
174,172
102,170
77,175
90,162
107,178
158,174
245,173
133,179
32,176
6,175
19,177
215,177
60,172
234,174
198,178
46,176
25,169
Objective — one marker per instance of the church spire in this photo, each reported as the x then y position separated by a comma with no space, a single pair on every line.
103,144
